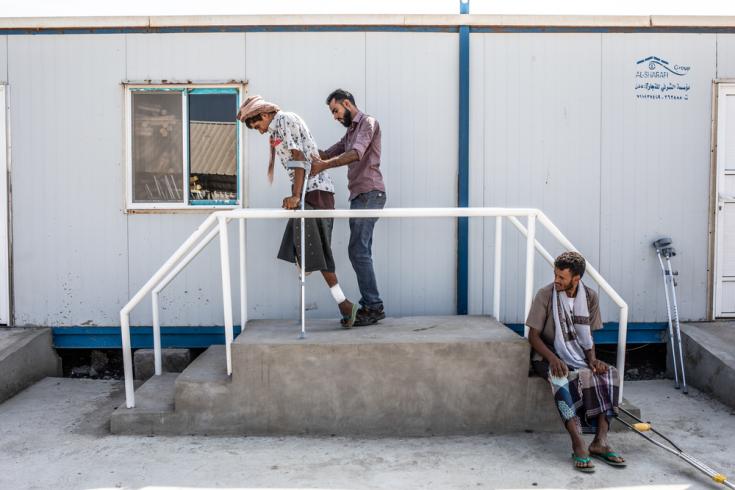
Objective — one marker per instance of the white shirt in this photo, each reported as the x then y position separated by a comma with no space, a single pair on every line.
289,132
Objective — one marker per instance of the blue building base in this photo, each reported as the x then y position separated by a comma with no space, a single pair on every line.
140,337
202,337
638,333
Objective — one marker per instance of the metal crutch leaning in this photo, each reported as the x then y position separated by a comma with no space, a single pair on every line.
660,245
668,253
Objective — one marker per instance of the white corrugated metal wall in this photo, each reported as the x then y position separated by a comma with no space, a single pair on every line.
83,257
556,125
551,113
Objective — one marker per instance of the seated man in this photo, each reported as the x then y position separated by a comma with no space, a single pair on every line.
560,322
292,142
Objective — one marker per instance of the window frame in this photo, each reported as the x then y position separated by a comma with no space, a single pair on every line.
187,204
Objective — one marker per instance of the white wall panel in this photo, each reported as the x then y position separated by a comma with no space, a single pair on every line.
726,56
3,58
69,233
197,57
415,99
655,172
535,142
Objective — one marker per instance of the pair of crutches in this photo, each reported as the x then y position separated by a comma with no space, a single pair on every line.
664,252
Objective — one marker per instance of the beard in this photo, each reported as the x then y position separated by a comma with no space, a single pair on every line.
347,119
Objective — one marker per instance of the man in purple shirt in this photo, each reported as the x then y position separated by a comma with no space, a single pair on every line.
360,149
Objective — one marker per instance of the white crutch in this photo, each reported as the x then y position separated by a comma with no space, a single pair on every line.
668,253
293,164
665,250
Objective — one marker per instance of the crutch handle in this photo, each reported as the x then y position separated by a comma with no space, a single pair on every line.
662,243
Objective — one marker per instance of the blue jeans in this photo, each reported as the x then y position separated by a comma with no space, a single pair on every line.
360,248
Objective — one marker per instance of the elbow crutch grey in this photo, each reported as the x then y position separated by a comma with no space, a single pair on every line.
665,250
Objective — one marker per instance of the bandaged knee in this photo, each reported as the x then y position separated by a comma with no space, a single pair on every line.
337,294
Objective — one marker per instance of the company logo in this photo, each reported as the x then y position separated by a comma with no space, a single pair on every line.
659,68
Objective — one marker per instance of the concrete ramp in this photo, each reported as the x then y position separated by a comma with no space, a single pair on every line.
26,356
709,350
413,376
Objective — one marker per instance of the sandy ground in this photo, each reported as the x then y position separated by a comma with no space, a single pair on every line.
55,435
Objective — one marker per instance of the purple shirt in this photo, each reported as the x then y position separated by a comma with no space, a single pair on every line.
363,136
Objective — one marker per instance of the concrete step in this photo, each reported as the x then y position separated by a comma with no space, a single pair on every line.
204,385
412,376
709,358
26,356
154,408
406,376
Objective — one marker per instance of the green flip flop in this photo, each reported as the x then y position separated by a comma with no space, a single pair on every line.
349,321
607,458
583,469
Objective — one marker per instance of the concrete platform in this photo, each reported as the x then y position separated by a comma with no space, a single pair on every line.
26,356
55,435
709,358
413,376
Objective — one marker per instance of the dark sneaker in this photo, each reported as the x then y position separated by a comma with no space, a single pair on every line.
369,316
377,313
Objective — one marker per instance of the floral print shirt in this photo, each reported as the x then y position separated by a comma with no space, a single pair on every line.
289,132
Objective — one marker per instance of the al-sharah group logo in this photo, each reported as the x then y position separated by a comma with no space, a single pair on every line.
658,79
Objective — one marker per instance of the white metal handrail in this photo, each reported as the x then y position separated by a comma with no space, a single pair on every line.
216,224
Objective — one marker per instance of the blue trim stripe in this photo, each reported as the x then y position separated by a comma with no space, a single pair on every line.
638,333
200,91
463,169
140,337
202,337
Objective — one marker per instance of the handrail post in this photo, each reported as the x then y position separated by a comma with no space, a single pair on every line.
156,333
622,340
530,246
498,266
243,276
224,247
127,359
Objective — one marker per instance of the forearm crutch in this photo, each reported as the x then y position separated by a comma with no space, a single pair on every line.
306,166
668,253
659,245
642,428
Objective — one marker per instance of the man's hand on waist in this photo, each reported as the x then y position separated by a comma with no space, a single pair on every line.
317,165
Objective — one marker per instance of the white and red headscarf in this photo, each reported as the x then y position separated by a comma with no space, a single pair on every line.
253,106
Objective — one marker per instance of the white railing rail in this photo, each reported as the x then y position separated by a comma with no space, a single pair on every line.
216,224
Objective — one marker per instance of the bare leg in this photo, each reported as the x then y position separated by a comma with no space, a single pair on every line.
578,445
599,444
345,307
